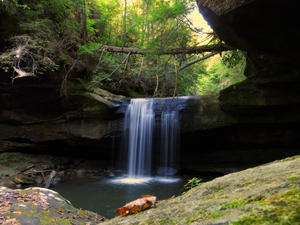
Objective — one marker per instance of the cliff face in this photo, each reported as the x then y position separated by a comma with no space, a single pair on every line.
46,104
259,120
268,32
33,114
264,108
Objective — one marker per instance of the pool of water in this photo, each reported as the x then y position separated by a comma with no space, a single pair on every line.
103,195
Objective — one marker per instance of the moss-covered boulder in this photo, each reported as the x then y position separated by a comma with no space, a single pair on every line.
267,194
37,206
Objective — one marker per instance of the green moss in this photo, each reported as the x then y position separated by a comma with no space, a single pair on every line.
45,219
162,221
194,182
234,204
222,197
240,202
159,222
248,184
203,215
209,120
218,188
280,209
217,215
201,212
294,177
8,157
191,219
61,209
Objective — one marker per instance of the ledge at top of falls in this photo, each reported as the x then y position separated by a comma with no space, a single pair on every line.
161,104
196,112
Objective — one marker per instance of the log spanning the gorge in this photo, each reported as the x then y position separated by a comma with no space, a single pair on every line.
176,51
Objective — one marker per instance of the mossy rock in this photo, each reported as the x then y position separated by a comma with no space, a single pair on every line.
23,179
267,194
40,206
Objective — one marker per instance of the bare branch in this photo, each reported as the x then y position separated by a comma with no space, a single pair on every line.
156,75
140,73
104,78
63,88
190,25
176,77
197,60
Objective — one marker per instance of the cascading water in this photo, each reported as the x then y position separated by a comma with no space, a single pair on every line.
139,123
142,116
169,142
138,132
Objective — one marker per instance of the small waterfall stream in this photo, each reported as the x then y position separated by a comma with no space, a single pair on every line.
151,126
139,123
169,142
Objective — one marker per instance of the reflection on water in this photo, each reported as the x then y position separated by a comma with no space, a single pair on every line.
103,195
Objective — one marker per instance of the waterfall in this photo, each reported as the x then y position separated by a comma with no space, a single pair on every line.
139,124
150,123
169,142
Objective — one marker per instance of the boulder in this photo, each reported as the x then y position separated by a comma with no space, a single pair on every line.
267,194
41,206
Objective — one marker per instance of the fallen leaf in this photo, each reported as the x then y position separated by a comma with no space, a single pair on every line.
137,205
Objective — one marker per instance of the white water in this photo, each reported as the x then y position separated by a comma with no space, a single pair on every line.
139,123
139,127
169,142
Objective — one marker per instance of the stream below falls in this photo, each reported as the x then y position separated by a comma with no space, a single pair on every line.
145,119
103,195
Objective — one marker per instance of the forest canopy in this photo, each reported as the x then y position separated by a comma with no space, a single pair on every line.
85,34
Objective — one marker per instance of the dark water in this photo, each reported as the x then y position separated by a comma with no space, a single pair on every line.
103,196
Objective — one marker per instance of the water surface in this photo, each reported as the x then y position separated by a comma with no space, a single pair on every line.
103,195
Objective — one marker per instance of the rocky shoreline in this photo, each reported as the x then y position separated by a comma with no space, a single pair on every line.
34,206
266,194
22,170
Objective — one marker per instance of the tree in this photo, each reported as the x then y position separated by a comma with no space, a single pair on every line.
127,48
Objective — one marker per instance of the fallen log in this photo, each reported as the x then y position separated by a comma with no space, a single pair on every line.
176,51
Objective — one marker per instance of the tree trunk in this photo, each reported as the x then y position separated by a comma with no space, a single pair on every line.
124,22
84,24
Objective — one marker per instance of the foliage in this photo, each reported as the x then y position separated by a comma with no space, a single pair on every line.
90,48
194,182
65,30
219,76
232,58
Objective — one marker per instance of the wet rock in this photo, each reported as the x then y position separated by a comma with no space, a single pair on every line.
8,183
232,198
23,179
39,180
81,172
41,206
